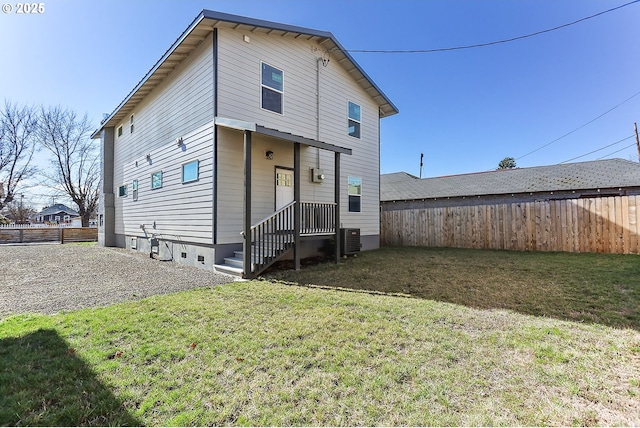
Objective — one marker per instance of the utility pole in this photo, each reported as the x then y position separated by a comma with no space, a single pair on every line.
635,127
422,156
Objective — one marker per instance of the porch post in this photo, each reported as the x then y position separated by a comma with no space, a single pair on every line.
296,207
246,246
337,201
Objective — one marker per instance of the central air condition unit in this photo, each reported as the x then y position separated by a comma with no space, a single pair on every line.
349,241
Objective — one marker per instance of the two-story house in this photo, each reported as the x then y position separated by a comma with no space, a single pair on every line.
247,140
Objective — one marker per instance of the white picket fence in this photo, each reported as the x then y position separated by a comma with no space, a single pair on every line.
38,226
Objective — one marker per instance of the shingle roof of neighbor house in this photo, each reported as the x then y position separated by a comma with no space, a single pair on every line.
200,28
54,209
602,174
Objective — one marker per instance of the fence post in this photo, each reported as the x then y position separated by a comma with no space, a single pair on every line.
61,235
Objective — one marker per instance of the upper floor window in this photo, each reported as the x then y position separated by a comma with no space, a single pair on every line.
120,131
354,120
122,191
131,121
272,88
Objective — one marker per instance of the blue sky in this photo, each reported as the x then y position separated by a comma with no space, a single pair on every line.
465,110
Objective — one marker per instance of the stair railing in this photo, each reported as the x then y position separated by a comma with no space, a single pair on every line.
271,238
274,235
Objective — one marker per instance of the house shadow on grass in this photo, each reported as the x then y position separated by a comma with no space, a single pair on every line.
43,383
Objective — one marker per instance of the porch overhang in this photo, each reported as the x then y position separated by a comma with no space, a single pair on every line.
250,128
243,126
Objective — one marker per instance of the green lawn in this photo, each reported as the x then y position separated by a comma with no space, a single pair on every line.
267,353
592,288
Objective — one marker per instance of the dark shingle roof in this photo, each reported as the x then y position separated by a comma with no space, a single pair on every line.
609,173
55,209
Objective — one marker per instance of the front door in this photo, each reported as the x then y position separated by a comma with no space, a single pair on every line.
284,187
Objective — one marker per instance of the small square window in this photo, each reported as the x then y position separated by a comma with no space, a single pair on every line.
122,191
190,171
355,194
354,120
134,189
156,180
120,131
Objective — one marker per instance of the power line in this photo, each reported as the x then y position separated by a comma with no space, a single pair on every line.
613,153
579,127
480,45
601,148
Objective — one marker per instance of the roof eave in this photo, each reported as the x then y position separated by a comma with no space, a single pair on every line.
109,120
387,108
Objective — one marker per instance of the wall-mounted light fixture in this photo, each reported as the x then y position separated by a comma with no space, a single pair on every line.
179,141
269,155
148,157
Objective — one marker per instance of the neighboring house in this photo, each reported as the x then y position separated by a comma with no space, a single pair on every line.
237,145
580,207
610,177
57,213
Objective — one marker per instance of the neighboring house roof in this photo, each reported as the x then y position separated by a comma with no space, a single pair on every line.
603,174
200,29
56,209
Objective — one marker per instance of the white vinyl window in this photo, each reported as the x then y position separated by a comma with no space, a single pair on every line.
272,88
122,191
354,120
134,190
156,180
355,194
190,171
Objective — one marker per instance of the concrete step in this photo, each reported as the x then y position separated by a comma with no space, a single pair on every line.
229,270
234,261
239,255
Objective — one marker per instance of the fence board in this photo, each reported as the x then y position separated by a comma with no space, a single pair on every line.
605,225
48,234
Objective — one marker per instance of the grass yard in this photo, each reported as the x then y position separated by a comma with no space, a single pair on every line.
591,288
267,353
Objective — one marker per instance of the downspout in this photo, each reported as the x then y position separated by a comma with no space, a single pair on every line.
215,136
318,110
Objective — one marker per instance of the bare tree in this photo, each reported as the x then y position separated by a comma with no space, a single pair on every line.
18,132
19,212
75,159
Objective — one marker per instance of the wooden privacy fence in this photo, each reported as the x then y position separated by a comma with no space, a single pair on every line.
603,225
64,235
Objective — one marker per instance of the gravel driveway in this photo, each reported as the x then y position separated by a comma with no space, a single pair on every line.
52,278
